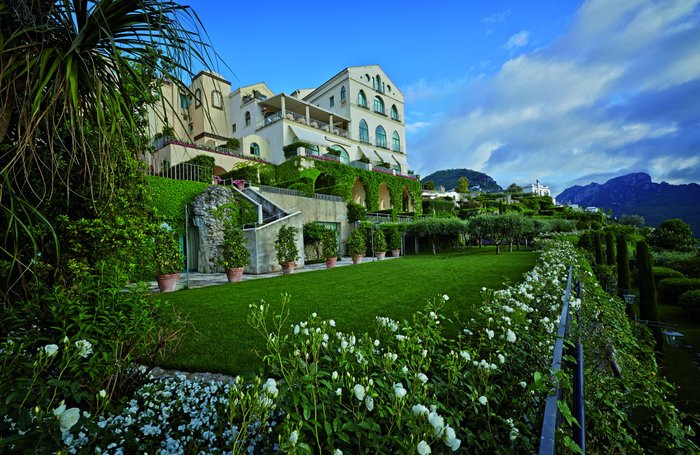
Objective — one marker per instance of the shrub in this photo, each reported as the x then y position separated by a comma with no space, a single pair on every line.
690,301
167,256
661,273
235,254
356,212
313,235
673,234
291,149
286,245
670,289
233,144
379,241
329,243
393,236
356,243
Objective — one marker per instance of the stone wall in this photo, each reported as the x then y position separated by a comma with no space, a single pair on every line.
211,230
261,244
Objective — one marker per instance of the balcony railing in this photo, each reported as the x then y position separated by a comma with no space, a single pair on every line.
301,119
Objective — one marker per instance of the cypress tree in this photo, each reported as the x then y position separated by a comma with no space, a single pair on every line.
610,248
598,248
624,280
647,291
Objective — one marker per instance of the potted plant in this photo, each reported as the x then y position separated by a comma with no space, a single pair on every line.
379,244
394,241
235,254
168,260
329,247
356,246
286,246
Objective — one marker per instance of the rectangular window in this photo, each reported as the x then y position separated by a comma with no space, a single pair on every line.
185,101
233,128
332,101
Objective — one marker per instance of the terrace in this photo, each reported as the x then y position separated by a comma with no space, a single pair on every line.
283,107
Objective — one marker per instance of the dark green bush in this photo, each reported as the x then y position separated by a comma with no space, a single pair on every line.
661,273
356,212
291,149
670,289
690,301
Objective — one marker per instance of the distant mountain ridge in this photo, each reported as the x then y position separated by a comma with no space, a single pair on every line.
449,178
637,194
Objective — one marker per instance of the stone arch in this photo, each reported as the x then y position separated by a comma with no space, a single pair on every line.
384,197
406,200
358,193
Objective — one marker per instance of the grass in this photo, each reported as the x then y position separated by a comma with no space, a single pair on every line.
222,340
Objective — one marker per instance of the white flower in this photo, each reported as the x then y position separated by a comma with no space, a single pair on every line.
437,422
423,378
339,391
313,315
103,393
369,402
483,400
84,348
514,434
423,448
296,329
523,384
60,409
425,353
51,350
331,323
445,297
337,452
465,355
334,375
293,437
359,392
343,344
510,336
271,387
399,391
69,418
501,358
376,343
419,409
450,438
489,333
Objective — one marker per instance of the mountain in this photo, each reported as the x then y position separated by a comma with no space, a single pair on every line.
637,194
449,178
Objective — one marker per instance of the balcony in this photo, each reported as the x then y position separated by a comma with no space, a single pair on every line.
281,107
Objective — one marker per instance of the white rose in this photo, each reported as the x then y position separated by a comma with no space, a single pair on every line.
69,418
51,350
423,448
359,392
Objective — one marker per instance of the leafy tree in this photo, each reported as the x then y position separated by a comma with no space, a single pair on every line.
463,185
647,291
610,248
598,248
673,234
631,220
513,188
429,186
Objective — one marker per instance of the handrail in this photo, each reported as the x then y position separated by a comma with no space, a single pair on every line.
552,417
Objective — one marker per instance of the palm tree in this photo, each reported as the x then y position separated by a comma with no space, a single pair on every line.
71,96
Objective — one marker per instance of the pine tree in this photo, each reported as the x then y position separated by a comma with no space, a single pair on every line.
647,292
610,248
598,248
624,281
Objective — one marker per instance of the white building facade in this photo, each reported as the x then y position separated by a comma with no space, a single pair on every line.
356,116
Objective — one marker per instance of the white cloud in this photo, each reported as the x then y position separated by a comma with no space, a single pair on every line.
416,126
520,39
496,17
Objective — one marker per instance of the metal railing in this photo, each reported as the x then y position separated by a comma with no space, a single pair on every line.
180,171
552,415
287,191
379,218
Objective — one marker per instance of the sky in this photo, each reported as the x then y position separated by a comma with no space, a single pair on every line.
564,91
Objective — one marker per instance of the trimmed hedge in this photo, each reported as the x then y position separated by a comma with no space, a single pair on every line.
690,301
171,196
670,289
661,273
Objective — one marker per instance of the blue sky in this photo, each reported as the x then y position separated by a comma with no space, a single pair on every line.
567,92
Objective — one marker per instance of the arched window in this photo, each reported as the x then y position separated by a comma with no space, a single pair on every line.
342,94
217,99
380,136
254,149
378,105
312,150
395,142
344,157
377,83
364,131
394,112
361,99
197,98
247,119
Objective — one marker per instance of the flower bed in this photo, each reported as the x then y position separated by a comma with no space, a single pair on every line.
409,389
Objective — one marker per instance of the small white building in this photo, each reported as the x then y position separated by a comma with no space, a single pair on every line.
540,190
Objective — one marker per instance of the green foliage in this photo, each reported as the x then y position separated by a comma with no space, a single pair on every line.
673,235
429,185
313,235
610,248
329,243
462,185
624,277
439,207
235,254
356,243
647,287
690,302
290,150
513,188
661,273
356,212
286,245
631,220
253,172
205,164
670,289
233,144
170,198
167,257
100,333
379,241
392,234
598,248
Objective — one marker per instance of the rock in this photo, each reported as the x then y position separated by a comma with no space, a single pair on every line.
211,229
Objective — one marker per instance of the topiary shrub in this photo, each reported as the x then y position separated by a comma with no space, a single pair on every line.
670,289
379,241
661,273
690,301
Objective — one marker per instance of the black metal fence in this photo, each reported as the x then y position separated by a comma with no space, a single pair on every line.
552,414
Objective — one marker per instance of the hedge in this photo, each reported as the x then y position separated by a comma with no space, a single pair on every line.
690,301
171,196
670,289
661,273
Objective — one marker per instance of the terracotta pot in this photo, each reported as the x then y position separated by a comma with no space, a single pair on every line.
234,274
380,256
168,283
330,262
288,267
395,253
357,259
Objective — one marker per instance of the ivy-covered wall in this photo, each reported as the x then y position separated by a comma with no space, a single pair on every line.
344,177
171,196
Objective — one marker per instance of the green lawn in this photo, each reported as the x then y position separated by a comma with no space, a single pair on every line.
352,296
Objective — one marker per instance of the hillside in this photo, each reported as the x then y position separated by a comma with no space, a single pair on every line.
449,178
637,194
